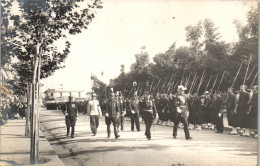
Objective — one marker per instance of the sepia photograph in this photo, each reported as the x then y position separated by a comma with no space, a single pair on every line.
129,83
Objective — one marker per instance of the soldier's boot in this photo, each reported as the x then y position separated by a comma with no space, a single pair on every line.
242,131
247,133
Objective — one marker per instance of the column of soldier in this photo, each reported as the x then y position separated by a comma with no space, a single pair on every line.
205,111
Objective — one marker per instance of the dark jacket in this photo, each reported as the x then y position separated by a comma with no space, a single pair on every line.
71,109
112,108
134,105
149,110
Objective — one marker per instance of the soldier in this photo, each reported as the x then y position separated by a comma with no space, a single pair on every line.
112,115
207,110
122,110
218,114
197,108
182,112
171,108
231,111
149,112
94,112
71,114
253,111
242,109
135,110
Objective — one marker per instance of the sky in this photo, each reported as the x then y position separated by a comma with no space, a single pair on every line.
121,28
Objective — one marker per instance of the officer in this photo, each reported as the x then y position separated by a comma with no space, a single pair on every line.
182,112
149,113
135,112
94,112
112,115
119,105
71,114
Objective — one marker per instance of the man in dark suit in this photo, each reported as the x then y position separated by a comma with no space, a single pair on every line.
112,115
71,114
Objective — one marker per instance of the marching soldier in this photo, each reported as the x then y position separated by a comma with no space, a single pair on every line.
94,112
122,106
71,114
149,113
112,115
182,112
135,110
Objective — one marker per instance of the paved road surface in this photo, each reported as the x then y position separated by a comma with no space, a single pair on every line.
207,148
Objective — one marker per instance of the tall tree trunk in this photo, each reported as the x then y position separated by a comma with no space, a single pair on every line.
28,111
33,150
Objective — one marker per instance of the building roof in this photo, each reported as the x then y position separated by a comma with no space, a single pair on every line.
62,90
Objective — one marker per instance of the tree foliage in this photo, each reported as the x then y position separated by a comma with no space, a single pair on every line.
36,28
206,53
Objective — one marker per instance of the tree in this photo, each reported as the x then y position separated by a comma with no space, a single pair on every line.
38,25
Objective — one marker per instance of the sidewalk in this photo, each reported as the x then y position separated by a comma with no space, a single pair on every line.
15,147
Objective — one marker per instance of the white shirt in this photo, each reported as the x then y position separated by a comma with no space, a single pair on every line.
94,108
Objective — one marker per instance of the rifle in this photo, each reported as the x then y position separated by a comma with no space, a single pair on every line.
182,77
214,83
221,80
247,70
251,73
237,74
201,80
186,83
253,80
192,82
208,82
171,84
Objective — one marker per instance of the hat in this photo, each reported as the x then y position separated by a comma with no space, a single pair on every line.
207,92
181,87
70,97
94,95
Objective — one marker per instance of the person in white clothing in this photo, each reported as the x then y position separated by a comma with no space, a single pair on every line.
94,112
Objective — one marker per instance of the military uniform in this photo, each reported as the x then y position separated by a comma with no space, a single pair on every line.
135,113
197,108
122,108
112,115
149,113
182,113
71,114
218,114
231,114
